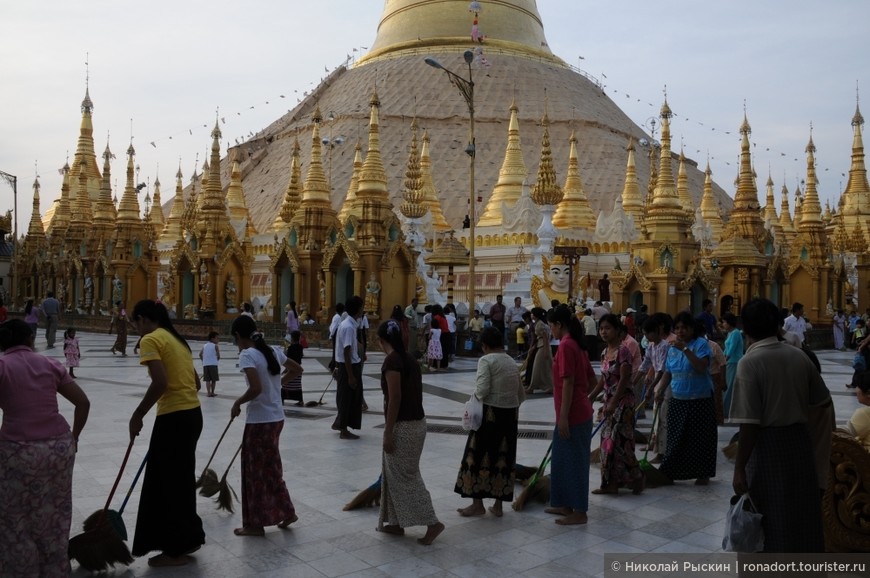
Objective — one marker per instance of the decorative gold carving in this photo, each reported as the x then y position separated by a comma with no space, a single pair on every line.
846,502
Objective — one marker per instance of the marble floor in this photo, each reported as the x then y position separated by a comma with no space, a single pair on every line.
323,473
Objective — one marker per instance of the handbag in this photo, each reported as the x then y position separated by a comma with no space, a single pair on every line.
743,531
469,344
473,416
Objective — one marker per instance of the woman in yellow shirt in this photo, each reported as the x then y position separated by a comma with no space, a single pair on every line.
167,519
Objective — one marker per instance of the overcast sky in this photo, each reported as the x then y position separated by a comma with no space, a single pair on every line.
169,65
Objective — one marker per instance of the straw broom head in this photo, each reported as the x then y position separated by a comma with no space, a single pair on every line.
100,548
225,495
208,484
367,498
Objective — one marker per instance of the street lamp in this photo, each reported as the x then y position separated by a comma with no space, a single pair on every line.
466,87
13,182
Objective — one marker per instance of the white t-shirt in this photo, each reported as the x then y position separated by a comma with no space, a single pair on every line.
209,354
451,322
344,336
266,407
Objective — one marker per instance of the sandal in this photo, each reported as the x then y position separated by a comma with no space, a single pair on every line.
607,491
249,532
162,560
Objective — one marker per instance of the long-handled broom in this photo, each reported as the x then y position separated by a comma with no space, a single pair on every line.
101,547
595,456
730,450
521,500
313,403
225,491
208,481
367,498
654,478
114,517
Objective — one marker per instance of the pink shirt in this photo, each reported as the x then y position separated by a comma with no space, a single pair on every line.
28,395
631,344
572,361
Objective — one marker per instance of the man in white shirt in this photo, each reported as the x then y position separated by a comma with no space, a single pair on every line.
796,322
348,371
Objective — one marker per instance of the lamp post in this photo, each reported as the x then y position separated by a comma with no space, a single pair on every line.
466,88
13,182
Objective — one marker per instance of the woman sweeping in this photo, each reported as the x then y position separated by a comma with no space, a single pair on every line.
167,519
487,469
542,355
405,501
692,433
265,499
37,453
572,374
619,466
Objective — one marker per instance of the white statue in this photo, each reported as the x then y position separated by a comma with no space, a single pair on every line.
117,289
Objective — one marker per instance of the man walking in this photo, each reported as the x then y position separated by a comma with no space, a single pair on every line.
497,314
51,310
778,396
413,325
349,371
513,317
796,322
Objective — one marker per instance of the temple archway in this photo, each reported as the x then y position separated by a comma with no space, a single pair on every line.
344,282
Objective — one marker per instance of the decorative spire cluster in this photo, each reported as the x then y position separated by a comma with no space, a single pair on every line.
547,190
414,205
509,187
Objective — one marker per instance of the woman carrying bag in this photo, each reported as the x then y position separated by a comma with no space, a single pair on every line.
487,468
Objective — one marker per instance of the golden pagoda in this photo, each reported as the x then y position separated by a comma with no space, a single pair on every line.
710,209
856,197
683,192
104,209
292,195
427,186
85,159
511,177
350,204
236,207
573,212
632,201
771,220
172,230
155,214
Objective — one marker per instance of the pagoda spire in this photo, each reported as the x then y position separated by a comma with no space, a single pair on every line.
315,213
683,192
547,190
156,212
771,219
785,215
349,206
632,201
292,194
104,214
128,209
240,218
372,198
746,220
81,217
35,230
59,224
213,204
710,208
855,202
413,205
172,230
85,156
574,211
509,187
430,194
811,209
665,217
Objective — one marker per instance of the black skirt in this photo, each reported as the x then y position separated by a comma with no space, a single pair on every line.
167,519
692,439
487,468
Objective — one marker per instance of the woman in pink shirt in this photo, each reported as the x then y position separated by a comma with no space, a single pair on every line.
37,453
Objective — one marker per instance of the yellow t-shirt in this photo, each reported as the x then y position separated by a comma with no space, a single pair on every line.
180,392
521,336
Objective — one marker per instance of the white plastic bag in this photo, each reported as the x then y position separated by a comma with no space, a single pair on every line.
743,531
473,416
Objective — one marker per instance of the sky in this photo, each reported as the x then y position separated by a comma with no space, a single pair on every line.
166,68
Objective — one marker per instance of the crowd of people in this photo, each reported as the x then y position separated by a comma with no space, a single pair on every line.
761,378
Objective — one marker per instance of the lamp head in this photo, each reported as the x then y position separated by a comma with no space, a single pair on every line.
433,63
468,56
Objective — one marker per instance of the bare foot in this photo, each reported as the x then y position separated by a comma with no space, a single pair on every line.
161,560
249,531
392,529
432,532
558,511
283,524
472,510
573,519
496,509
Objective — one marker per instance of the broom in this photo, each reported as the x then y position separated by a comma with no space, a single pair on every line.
225,492
730,450
313,403
92,521
101,547
367,498
654,478
208,481
595,456
521,500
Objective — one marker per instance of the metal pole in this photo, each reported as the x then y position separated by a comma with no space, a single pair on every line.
472,280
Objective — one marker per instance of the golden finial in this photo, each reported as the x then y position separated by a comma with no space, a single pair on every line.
547,190
509,187
413,206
